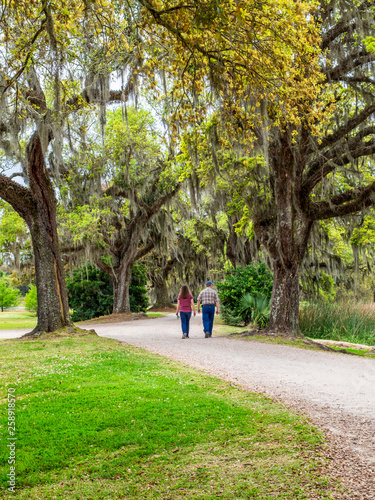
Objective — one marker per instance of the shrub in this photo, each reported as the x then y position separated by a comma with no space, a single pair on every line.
9,296
238,282
31,300
257,308
229,318
90,292
138,290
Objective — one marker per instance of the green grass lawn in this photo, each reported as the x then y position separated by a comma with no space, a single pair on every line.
99,420
10,320
222,329
151,314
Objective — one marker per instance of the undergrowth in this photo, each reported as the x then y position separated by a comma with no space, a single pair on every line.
345,321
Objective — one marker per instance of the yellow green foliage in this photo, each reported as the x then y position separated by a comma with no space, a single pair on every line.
228,50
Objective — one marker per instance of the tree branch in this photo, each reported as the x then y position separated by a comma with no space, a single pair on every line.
105,267
331,35
157,16
17,196
358,79
156,206
348,127
346,203
178,7
114,95
16,174
343,26
325,165
144,250
24,66
351,62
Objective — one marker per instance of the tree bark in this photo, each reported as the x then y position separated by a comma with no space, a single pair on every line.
162,295
120,273
17,258
53,308
159,277
121,288
37,206
285,300
159,284
285,235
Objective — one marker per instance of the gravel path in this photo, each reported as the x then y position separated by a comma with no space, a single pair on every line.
336,391
327,382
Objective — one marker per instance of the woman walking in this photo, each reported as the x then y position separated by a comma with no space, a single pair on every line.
185,304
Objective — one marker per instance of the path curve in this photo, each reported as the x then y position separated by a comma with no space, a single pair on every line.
336,391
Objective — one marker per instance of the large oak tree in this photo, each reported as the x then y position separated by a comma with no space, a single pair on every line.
320,171
296,143
57,58
116,196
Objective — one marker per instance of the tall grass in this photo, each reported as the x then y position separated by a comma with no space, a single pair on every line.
346,321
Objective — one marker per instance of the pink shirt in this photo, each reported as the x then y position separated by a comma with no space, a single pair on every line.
185,304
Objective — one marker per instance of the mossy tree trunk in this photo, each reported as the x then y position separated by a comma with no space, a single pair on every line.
162,295
159,278
37,206
285,234
127,248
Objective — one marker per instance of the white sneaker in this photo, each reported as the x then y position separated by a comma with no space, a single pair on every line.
184,335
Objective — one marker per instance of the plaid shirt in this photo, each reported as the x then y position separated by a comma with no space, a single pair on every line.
208,296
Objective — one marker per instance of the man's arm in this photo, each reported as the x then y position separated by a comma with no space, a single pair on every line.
199,305
217,303
217,306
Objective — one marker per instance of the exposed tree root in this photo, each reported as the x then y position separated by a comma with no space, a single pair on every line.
248,333
287,336
63,332
327,348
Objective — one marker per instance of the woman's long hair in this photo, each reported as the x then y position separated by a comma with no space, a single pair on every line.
184,292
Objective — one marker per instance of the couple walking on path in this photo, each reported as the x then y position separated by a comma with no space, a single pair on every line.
185,306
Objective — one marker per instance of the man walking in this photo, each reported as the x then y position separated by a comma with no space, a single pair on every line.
209,299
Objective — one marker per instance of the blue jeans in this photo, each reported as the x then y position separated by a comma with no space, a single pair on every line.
185,321
208,314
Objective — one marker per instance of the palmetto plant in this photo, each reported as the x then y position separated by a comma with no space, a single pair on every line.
256,307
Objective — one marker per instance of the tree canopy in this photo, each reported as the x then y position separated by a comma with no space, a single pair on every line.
262,110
